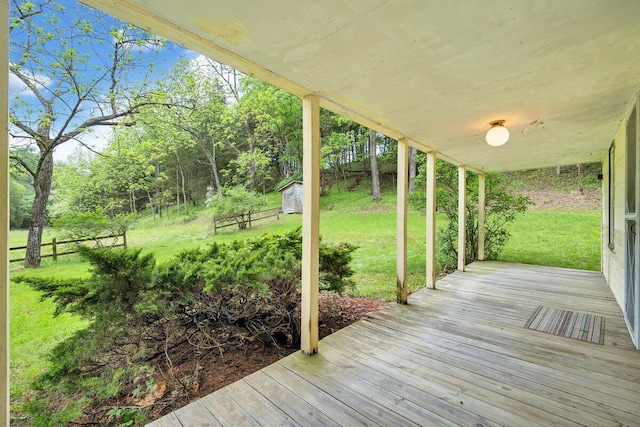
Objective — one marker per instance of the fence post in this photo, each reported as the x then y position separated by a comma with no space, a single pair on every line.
54,247
215,228
249,219
124,239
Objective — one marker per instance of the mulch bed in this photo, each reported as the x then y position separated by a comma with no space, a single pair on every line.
216,370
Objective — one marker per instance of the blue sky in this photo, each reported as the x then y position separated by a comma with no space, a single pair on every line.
97,60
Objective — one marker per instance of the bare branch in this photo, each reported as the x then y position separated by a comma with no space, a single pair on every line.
28,82
23,164
26,15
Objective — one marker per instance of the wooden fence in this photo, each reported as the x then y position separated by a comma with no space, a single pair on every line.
253,217
57,251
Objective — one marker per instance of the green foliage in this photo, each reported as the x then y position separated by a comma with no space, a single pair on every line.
220,296
335,269
237,203
502,206
76,225
110,295
288,180
19,202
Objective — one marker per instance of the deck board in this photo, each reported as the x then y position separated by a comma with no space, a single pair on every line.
458,355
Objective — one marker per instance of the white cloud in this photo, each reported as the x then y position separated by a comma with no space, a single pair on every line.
96,140
227,75
17,86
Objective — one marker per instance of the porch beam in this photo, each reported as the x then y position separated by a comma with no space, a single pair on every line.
4,213
481,218
431,220
462,216
310,223
401,220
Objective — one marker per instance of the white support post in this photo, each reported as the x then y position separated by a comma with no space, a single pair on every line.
481,208
462,216
310,223
401,220
431,221
4,213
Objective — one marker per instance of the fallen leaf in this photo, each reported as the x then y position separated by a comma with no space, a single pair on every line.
156,393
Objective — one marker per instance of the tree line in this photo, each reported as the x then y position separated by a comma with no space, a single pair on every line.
176,134
179,135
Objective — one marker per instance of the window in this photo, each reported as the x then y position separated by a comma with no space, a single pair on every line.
630,205
610,198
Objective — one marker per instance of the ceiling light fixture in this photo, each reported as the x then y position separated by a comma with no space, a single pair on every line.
498,134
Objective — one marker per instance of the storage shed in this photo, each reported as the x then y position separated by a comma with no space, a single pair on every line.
291,197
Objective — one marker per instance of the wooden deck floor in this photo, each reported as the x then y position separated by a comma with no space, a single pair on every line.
455,356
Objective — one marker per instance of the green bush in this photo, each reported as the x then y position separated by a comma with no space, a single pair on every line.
78,225
209,299
237,203
502,206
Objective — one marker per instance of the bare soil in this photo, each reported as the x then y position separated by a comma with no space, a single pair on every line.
216,370
587,199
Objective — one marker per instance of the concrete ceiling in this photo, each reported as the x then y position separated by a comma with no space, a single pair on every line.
561,73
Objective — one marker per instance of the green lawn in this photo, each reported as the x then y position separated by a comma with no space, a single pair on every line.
34,332
558,238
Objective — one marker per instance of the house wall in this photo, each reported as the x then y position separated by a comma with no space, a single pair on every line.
613,256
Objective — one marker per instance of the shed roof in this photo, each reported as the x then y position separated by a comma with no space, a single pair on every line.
285,186
561,73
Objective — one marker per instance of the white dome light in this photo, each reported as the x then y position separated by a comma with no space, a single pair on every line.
498,134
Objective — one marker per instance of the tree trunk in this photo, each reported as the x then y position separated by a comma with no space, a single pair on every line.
153,207
42,187
580,179
184,193
177,190
214,169
211,158
412,169
375,176
158,202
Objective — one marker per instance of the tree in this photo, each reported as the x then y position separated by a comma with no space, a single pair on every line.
72,84
237,203
413,152
198,106
375,176
502,207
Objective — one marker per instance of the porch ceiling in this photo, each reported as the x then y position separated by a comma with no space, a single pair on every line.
561,73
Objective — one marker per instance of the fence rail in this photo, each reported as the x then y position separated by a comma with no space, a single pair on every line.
55,253
229,221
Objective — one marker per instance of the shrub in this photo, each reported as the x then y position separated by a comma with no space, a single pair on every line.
502,206
200,301
78,225
237,203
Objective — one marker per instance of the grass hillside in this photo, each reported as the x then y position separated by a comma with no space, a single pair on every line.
575,187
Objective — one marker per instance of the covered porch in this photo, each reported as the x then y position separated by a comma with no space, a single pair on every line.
459,355
564,77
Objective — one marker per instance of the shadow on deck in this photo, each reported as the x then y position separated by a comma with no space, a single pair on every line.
455,356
